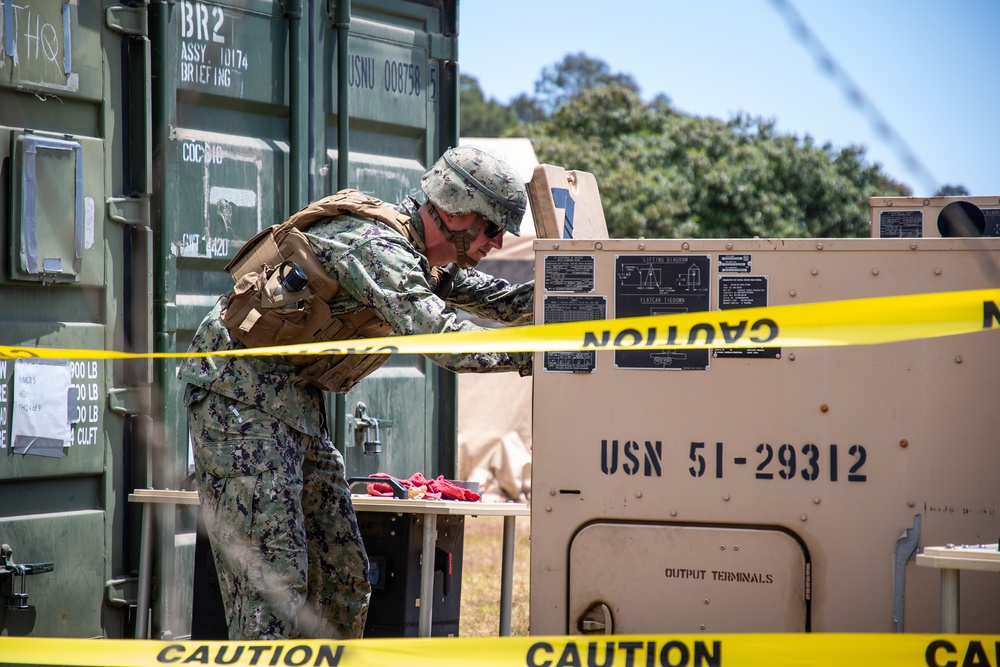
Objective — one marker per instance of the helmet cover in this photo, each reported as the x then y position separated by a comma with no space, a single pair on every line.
468,179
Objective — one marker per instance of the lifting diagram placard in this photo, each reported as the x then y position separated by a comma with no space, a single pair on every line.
662,285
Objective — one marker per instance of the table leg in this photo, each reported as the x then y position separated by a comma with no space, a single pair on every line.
427,576
949,600
507,576
145,573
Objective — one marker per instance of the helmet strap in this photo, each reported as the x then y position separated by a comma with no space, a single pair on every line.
458,238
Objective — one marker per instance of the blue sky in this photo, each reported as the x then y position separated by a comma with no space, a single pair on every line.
928,70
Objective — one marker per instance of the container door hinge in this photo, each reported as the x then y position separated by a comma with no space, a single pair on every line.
122,592
129,211
130,401
292,8
127,20
443,47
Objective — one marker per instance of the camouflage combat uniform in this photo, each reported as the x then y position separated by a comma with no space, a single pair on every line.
273,488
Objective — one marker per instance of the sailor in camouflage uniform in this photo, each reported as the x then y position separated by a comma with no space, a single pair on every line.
273,488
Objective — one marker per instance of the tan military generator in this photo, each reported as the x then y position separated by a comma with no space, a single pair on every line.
774,489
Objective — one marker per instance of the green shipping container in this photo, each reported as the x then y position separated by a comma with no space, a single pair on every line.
141,146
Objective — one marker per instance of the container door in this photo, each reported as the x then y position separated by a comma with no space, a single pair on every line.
221,132
246,132
400,79
67,169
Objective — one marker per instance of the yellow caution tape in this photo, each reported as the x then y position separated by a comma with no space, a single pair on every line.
850,322
724,650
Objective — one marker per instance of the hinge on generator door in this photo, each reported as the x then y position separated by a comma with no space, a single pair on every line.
809,581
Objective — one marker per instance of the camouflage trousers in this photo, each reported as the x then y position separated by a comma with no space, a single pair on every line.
284,535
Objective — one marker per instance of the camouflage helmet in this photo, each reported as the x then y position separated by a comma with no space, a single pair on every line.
473,180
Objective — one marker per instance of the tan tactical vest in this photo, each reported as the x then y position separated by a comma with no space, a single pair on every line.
259,317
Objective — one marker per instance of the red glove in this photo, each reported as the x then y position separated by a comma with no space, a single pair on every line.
451,491
436,488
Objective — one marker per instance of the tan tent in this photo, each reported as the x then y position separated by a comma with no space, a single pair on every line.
494,409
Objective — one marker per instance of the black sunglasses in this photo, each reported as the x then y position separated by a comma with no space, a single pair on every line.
492,230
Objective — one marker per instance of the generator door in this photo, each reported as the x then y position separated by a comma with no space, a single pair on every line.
652,578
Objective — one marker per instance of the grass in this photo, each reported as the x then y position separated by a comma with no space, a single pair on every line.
481,556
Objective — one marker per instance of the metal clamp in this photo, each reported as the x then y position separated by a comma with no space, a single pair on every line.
367,429
17,599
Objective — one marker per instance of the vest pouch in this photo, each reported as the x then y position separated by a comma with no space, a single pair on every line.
254,317
338,373
341,376
276,294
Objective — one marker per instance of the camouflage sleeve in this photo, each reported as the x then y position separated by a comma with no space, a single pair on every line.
493,298
388,278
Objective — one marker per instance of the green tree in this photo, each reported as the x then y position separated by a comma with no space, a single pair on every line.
479,117
576,73
528,109
949,190
666,174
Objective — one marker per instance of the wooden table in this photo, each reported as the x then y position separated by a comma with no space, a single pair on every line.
431,509
155,497
951,560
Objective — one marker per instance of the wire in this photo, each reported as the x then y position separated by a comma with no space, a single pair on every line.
855,96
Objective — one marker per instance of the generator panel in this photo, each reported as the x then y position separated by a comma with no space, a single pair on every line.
765,489
914,217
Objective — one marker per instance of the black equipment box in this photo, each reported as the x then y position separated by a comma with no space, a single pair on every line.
394,543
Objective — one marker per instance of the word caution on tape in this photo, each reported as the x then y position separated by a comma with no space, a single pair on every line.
728,650
849,322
